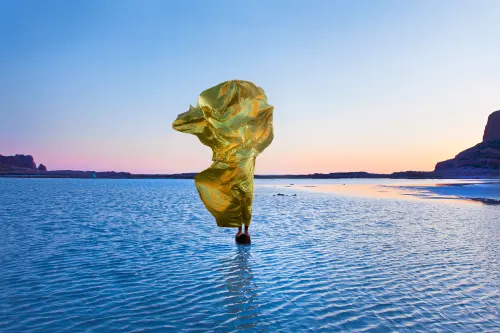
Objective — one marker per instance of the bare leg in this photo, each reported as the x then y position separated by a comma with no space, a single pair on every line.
239,232
246,230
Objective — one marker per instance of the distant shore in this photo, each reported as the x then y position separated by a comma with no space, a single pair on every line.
333,175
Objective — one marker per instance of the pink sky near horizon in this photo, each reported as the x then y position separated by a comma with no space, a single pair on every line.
338,158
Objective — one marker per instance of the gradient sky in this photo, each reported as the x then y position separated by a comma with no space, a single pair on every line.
375,86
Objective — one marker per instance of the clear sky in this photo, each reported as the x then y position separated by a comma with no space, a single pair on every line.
376,86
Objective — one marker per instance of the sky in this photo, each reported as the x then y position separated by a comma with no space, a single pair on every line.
377,86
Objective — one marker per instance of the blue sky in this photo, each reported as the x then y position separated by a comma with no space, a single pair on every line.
377,86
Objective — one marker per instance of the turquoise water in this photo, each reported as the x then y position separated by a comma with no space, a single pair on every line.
81,255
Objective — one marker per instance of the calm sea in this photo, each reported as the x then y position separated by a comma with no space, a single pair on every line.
82,255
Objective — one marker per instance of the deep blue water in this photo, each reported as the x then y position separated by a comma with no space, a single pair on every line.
82,255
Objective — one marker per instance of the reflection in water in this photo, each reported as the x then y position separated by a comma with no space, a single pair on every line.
242,292
445,190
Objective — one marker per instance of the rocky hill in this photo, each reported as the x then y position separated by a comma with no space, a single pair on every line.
19,161
19,164
492,130
481,160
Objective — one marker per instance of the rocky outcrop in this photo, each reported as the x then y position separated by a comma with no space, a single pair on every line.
481,160
482,157
20,164
19,161
492,130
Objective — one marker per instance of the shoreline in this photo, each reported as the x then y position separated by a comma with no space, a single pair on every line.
485,191
341,175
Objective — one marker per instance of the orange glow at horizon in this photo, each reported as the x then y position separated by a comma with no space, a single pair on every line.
270,162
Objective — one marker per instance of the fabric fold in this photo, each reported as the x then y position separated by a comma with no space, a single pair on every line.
235,121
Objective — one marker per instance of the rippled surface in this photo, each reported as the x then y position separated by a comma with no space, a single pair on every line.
143,255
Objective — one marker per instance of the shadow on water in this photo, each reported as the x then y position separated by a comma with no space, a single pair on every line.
242,290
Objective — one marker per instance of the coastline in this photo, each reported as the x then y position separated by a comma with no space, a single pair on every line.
486,191
333,175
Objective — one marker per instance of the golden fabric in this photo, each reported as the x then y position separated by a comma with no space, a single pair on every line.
234,119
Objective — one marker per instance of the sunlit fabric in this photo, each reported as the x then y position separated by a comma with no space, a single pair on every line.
234,119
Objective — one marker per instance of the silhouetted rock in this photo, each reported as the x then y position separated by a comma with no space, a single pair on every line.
481,160
492,130
19,161
482,157
42,167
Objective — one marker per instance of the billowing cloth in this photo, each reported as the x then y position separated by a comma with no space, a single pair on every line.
234,119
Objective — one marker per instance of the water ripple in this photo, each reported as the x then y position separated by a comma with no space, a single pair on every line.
144,255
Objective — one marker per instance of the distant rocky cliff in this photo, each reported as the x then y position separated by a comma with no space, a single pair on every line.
19,164
24,166
482,159
20,161
492,130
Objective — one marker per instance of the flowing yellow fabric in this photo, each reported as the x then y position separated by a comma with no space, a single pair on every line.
234,119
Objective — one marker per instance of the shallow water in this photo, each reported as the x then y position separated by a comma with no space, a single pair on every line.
486,191
144,255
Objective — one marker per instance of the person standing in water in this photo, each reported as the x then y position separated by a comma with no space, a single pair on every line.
234,119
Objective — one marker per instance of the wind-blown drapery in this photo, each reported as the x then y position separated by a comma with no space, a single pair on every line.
234,119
